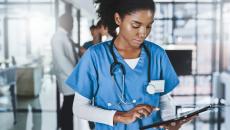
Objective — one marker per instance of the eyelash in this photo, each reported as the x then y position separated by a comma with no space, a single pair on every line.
135,26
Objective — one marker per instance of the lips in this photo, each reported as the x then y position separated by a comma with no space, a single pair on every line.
137,41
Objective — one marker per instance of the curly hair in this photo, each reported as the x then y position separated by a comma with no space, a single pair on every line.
107,8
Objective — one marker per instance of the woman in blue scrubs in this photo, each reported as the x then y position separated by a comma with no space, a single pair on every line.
105,74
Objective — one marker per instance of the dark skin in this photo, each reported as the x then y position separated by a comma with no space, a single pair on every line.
134,28
138,112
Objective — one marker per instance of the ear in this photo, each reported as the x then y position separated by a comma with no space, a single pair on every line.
117,18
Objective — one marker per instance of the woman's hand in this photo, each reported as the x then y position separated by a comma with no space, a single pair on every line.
176,125
138,112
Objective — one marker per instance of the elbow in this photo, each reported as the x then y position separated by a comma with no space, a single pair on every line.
77,110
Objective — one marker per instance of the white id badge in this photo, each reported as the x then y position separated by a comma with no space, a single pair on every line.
156,86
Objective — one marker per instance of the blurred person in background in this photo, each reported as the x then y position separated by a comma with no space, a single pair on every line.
65,58
96,35
105,33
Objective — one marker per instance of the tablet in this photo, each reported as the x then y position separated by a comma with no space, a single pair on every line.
181,117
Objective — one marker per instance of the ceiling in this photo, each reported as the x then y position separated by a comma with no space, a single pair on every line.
86,6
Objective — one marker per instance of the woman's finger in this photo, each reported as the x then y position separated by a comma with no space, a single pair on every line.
144,112
149,108
138,115
173,123
187,119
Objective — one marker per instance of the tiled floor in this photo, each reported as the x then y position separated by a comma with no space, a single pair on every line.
37,113
29,121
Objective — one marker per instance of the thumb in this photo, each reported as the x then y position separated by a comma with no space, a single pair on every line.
155,108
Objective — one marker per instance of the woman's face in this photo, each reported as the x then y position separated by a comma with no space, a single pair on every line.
134,27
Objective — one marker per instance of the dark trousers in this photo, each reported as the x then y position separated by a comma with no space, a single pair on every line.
67,113
91,125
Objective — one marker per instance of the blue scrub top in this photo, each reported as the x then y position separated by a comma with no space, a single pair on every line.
88,44
92,79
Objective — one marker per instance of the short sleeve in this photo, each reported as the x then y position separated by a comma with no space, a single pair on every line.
83,78
168,74
85,45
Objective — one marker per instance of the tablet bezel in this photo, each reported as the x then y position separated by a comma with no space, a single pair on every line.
182,117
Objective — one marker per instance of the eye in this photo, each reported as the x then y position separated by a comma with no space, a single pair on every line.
135,26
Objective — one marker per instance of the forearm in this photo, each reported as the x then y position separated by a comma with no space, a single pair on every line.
118,117
167,107
83,109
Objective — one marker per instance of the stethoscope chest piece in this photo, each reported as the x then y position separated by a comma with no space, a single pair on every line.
155,86
150,89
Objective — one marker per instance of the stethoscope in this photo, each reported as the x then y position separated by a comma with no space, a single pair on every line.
150,88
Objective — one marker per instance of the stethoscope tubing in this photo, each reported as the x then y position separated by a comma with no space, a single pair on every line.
116,62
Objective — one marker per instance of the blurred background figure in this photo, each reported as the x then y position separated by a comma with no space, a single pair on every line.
64,60
105,34
96,35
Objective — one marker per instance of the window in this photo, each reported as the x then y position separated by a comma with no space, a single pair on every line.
163,11
29,28
184,32
185,11
41,28
18,1
205,11
17,39
205,43
1,39
85,31
161,32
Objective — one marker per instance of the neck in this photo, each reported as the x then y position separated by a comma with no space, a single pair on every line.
96,40
125,50
122,44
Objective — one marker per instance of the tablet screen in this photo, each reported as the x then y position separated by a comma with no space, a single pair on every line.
181,117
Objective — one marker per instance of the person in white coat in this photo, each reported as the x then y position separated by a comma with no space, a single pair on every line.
64,60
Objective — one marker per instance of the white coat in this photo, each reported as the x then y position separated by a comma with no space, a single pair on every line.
63,59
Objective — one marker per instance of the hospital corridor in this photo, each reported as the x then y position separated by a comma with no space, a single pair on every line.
114,64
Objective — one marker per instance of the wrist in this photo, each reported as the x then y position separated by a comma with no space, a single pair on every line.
117,117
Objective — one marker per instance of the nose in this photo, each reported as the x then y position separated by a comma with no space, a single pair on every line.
142,32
